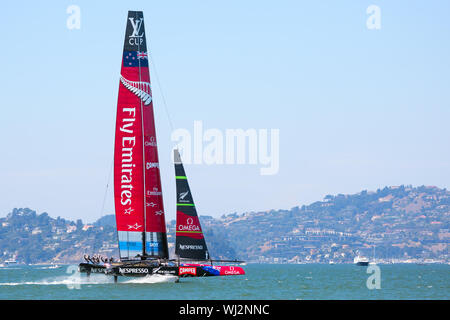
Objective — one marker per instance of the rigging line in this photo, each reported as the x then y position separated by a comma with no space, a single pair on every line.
107,186
166,109
155,72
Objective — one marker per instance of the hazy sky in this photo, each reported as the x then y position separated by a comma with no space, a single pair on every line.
356,108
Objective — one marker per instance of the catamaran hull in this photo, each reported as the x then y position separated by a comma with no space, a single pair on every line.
91,268
179,271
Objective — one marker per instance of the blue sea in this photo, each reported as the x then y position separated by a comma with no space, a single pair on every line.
262,281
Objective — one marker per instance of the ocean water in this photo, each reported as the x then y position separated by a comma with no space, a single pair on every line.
266,282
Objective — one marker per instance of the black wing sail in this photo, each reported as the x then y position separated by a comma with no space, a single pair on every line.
190,242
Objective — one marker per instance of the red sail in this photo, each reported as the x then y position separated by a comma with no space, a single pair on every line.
137,184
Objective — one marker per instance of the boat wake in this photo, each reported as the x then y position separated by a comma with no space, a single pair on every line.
154,278
69,280
75,281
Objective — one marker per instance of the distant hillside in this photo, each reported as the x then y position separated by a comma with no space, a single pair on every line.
403,223
33,238
105,221
391,223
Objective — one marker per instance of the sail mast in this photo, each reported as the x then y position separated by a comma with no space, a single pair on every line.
143,150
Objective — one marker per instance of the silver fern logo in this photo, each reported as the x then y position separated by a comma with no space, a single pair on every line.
183,195
140,88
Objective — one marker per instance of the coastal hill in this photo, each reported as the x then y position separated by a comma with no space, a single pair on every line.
402,223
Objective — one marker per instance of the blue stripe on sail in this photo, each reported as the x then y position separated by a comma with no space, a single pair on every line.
149,246
130,246
137,246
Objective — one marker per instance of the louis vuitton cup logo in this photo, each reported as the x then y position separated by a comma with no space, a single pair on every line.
137,37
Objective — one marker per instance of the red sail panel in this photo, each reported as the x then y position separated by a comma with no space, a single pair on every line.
188,226
156,236
155,217
128,165
137,183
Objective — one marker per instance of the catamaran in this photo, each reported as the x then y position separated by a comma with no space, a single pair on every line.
139,210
